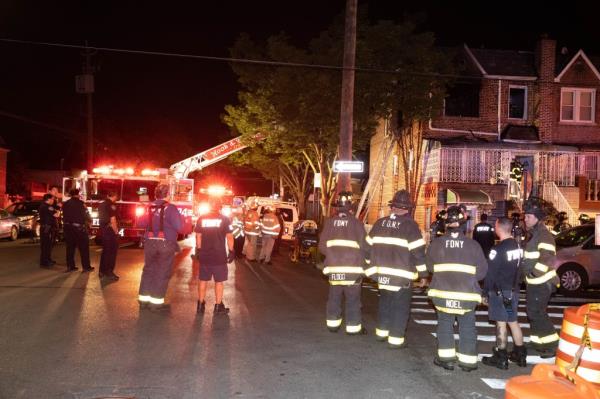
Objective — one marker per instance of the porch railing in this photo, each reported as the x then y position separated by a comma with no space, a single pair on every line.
551,192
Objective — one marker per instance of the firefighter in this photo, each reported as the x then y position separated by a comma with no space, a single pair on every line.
437,227
397,258
540,277
251,231
109,231
483,233
163,223
501,288
48,220
562,223
584,218
457,263
237,222
344,246
214,250
75,220
270,229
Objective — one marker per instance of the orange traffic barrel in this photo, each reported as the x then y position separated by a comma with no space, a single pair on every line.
579,345
549,382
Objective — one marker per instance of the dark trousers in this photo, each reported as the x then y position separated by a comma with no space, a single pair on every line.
467,341
158,266
351,293
77,238
46,242
238,246
393,313
110,245
543,334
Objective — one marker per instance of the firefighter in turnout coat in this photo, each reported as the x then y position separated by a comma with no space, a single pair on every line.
251,231
343,244
540,277
397,258
457,263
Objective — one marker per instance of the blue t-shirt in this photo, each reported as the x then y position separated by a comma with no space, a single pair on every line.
214,228
172,222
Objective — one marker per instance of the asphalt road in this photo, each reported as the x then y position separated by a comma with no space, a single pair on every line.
69,336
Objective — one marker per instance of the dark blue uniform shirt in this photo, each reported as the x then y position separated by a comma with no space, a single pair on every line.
74,211
214,228
173,221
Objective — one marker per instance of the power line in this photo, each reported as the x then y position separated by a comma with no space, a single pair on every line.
234,60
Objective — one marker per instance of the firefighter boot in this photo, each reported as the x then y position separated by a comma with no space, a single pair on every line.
518,355
499,359
448,365
220,309
201,307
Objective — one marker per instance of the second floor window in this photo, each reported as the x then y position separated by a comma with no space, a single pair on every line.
577,105
517,102
462,100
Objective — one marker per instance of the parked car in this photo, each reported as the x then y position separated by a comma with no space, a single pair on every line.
577,261
9,225
27,213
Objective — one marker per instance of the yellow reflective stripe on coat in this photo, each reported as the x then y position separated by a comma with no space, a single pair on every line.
544,340
464,296
447,353
467,359
341,282
454,267
421,268
452,311
531,255
157,301
393,288
334,323
382,333
400,242
144,298
369,240
395,340
371,270
353,329
541,267
546,246
416,244
397,272
540,280
342,243
343,269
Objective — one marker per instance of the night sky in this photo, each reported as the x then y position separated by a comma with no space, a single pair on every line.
150,98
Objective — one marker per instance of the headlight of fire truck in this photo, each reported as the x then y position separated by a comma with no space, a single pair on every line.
139,211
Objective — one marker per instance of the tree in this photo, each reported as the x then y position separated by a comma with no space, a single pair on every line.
297,108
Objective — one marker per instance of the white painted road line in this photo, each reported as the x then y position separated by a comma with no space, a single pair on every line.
495,383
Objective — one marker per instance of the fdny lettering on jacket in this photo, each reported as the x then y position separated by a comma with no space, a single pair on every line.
514,254
211,223
454,243
340,223
484,228
390,223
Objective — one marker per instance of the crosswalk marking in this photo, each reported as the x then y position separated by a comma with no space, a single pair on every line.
479,312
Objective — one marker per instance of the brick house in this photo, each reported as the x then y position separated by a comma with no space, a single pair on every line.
3,166
536,107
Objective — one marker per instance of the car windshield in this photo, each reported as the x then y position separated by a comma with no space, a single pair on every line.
24,208
287,214
138,190
97,189
575,236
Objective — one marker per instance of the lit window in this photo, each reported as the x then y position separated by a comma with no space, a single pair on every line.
577,105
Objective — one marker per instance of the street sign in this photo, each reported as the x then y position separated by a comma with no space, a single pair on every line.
348,166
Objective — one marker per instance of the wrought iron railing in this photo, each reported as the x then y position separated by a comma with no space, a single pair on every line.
551,192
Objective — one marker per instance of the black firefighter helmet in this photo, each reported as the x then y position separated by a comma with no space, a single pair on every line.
455,214
585,218
343,201
534,206
441,215
401,200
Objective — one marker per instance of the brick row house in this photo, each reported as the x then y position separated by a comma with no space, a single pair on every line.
538,107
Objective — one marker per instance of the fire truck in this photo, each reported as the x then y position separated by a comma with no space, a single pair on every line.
134,190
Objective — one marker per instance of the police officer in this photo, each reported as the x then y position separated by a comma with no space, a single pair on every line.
501,289
251,231
237,222
483,233
343,243
214,249
109,231
163,223
57,205
457,263
75,220
541,279
270,229
397,258
48,216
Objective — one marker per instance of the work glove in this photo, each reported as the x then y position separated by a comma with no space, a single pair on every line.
230,256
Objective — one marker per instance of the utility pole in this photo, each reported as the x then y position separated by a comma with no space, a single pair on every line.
346,113
84,84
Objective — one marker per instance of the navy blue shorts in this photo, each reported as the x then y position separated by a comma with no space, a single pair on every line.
496,309
208,272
